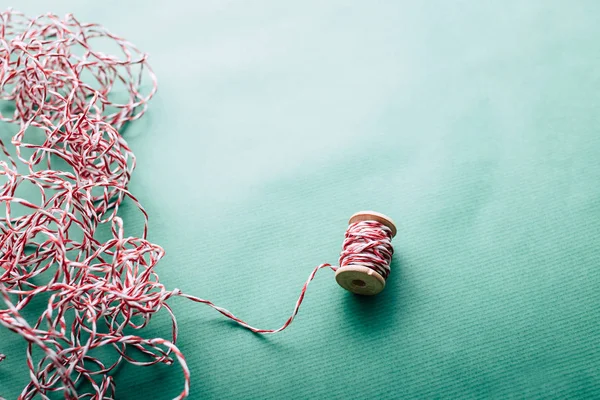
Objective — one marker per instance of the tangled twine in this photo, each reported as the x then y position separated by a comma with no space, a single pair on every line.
97,292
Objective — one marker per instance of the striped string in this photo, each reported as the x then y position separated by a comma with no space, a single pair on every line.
68,100
368,244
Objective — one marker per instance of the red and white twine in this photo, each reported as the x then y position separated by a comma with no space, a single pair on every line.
98,292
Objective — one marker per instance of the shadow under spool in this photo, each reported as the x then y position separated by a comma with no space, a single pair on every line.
360,279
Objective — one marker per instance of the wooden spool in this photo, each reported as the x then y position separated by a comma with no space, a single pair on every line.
360,279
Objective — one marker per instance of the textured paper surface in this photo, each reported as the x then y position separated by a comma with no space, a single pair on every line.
476,127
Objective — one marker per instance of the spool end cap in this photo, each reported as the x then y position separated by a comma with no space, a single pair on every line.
360,280
374,216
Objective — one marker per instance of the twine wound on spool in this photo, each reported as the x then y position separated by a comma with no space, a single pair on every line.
367,253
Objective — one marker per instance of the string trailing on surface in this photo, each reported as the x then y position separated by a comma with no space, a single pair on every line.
69,100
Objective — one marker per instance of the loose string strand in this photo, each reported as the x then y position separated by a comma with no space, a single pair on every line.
97,291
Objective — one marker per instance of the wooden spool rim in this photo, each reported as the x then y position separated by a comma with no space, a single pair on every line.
374,216
360,280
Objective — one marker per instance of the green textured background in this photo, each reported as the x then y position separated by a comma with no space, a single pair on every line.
475,125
